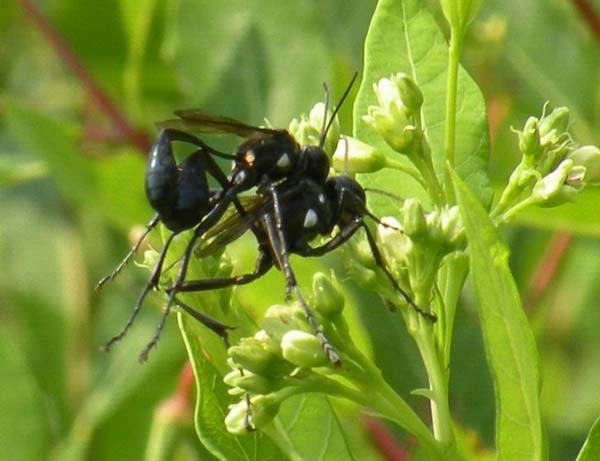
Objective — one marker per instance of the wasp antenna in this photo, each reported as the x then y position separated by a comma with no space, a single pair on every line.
383,223
336,109
324,126
384,193
345,156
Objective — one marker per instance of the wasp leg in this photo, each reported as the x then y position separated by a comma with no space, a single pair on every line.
210,323
152,283
151,225
262,266
278,243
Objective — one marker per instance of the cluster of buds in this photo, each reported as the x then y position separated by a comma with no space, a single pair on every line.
412,250
307,130
284,358
396,117
553,167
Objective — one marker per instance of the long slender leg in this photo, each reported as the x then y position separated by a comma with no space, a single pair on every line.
262,266
379,261
339,239
211,218
208,322
151,225
152,283
342,237
279,246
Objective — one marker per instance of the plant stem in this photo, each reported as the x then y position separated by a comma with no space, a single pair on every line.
451,91
394,164
453,275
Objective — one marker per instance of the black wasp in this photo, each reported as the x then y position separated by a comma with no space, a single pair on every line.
180,195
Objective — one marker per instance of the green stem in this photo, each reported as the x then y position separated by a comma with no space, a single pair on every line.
438,383
511,212
396,165
452,279
422,161
456,41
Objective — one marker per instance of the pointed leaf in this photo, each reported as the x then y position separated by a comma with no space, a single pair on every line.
509,342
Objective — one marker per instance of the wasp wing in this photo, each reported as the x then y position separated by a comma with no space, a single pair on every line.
234,225
194,120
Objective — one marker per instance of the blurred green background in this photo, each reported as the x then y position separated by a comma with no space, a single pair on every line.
71,192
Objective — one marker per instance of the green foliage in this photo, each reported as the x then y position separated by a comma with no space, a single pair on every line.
509,341
71,189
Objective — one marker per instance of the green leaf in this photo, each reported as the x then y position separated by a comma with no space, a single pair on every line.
23,425
314,429
591,447
404,37
509,342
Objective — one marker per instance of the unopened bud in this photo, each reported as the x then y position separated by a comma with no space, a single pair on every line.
529,139
460,13
307,130
281,318
257,356
411,95
588,157
553,189
264,409
554,124
452,227
237,420
248,381
390,118
303,349
414,222
329,299
353,156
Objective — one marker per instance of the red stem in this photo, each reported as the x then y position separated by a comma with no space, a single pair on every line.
547,268
383,440
96,94
589,15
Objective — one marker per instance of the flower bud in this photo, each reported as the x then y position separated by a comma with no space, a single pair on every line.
248,381
237,420
434,226
452,227
396,246
410,94
553,189
307,130
390,118
460,13
264,409
529,139
588,157
329,299
414,222
281,318
257,356
554,124
361,157
303,349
